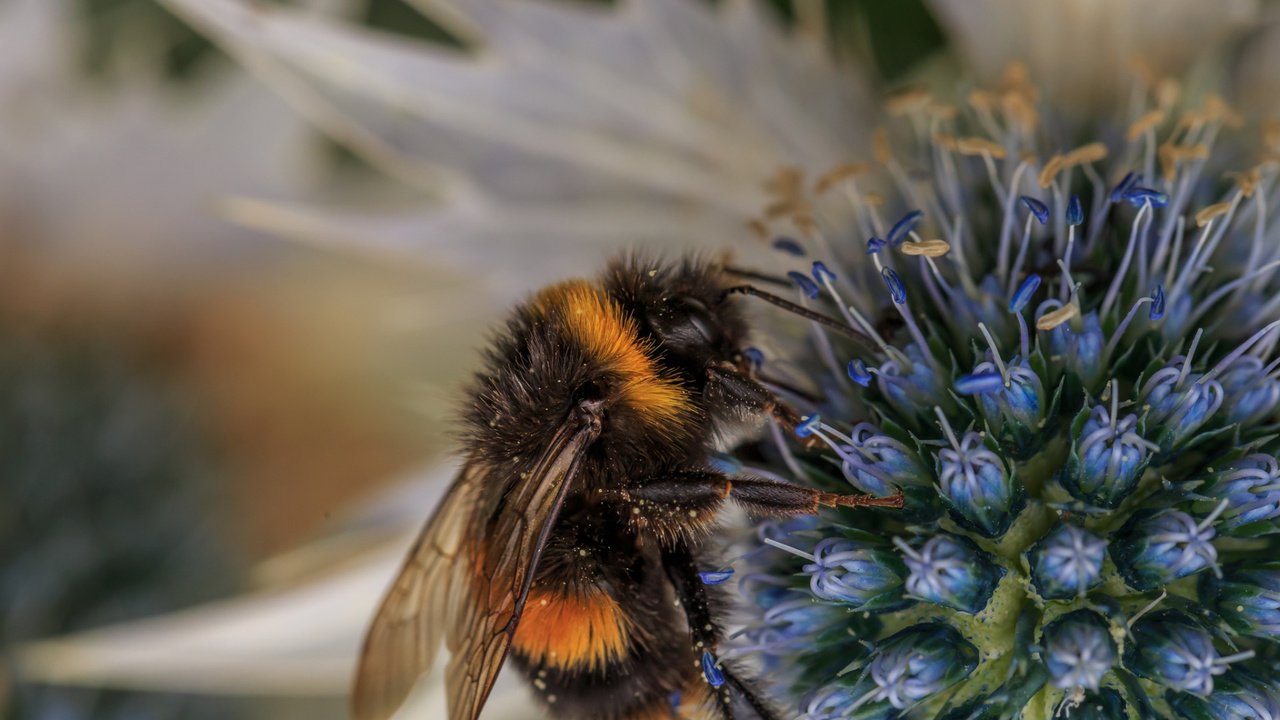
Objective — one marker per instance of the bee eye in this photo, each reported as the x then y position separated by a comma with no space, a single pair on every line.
704,328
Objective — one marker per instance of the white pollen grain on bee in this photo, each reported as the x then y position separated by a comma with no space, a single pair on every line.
540,683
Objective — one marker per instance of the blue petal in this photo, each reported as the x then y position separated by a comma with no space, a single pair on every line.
806,285
715,577
1157,304
904,227
789,246
1075,211
710,671
978,383
858,372
821,272
896,289
1024,293
1037,208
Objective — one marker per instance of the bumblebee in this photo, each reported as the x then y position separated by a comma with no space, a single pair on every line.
572,540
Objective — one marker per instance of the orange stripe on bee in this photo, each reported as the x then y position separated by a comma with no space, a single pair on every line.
572,631
597,323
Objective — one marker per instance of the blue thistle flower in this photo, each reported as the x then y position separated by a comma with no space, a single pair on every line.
1067,562
1172,649
1179,402
864,577
1077,391
1156,548
877,464
913,665
1247,598
1250,486
1078,650
950,570
1107,458
1251,393
1237,695
976,485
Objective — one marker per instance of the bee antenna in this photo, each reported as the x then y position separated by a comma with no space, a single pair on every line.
755,275
791,307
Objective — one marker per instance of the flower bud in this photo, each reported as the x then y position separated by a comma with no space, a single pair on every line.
1251,394
1066,563
1078,650
1154,549
1170,648
868,578
1251,488
975,484
916,664
1019,401
1247,598
1237,695
1107,460
914,390
950,570
1178,403
883,463
1080,349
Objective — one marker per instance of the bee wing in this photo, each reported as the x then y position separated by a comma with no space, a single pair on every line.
466,580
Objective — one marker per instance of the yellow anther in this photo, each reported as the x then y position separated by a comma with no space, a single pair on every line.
907,102
1218,110
1248,181
927,248
1147,122
981,100
942,110
787,182
1271,133
1051,170
1093,152
1019,108
1217,209
873,200
758,228
1051,320
839,174
979,146
945,140
1171,155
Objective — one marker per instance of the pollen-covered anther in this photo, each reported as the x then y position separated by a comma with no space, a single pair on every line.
908,101
1207,215
979,146
927,248
1055,165
1051,320
1171,155
1142,125
839,174
1085,154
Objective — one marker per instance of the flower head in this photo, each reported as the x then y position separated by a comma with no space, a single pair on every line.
1077,395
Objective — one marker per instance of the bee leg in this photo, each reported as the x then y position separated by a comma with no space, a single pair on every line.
705,631
771,498
677,505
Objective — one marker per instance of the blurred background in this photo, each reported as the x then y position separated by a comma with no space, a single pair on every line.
197,418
